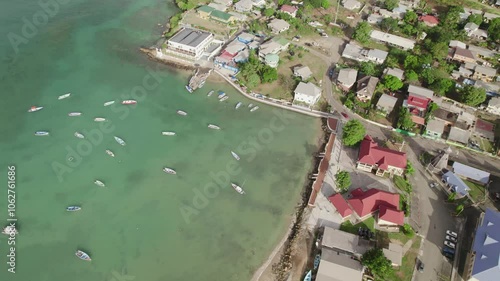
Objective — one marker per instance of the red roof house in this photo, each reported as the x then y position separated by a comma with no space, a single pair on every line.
429,20
419,102
291,10
365,203
390,216
341,205
371,157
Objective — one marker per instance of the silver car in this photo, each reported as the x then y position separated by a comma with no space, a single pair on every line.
451,238
449,244
451,233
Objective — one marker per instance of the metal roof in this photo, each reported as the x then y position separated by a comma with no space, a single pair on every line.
190,37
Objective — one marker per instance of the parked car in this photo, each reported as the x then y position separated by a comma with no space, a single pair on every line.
448,255
448,250
420,266
345,115
451,233
451,238
433,184
449,244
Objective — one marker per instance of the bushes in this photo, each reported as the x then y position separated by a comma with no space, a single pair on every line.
408,230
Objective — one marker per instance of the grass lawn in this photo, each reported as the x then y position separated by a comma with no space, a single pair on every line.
405,271
476,191
348,227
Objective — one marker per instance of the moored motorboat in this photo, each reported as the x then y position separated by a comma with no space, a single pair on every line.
99,183
238,105
41,133
221,94
79,135
127,102
35,108
110,153
212,126
74,114
82,255
189,89
250,105
183,113
108,103
99,119
64,96
168,133
169,171
254,108
120,141
235,155
73,208
10,230
238,188
210,93
224,98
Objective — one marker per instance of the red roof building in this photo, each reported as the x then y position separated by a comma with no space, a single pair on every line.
366,203
429,20
390,216
291,10
419,102
341,205
383,160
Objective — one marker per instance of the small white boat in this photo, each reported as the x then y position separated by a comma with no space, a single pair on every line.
10,230
74,114
212,126
183,113
224,98
189,89
61,97
221,94
73,208
35,108
108,103
168,133
235,155
169,171
254,108
210,93
238,105
82,255
238,188
99,183
250,105
120,141
99,119
110,153
41,133
128,102
79,135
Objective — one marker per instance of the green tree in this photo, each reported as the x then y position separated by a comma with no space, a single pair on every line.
439,50
362,32
253,80
388,24
391,4
429,75
404,119
442,86
377,263
343,181
392,82
409,168
411,76
475,18
494,30
397,137
472,96
353,132
411,62
368,68
325,4
409,29
408,230
452,17
269,74
459,209
451,197
410,17
268,12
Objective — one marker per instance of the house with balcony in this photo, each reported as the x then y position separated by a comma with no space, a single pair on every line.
484,73
307,93
380,159
463,55
455,184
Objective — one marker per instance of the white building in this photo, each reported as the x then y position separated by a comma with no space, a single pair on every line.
401,42
243,6
189,43
351,4
494,106
278,25
307,93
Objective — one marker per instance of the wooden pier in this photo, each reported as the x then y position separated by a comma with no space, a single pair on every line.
198,79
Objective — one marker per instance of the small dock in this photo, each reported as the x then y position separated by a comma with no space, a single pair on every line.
198,79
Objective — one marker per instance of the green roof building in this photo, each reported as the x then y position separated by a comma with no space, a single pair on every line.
221,16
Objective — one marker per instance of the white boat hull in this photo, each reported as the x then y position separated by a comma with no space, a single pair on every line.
61,97
108,103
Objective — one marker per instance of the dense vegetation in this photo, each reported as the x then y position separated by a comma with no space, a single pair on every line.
254,72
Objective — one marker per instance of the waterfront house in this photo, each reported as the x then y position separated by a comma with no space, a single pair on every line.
484,129
366,87
290,10
396,72
343,242
484,73
307,93
463,55
278,25
435,128
456,184
302,71
494,106
189,43
379,159
374,201
386,103
335,266
483,259
341,206
351,4
471,174
204,11
393,40
243,6
429,20
347,78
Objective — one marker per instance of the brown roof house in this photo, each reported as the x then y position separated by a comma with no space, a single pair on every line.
463,55
366,87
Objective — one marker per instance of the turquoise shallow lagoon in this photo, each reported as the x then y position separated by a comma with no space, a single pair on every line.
144,225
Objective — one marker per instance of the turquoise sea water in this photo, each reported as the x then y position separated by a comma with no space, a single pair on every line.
144,225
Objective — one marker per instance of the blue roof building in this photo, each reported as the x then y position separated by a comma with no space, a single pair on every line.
455,183
486,249
471,173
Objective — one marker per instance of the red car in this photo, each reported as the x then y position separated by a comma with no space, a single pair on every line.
345,115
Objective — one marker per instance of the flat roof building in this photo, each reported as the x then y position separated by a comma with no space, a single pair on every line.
189,43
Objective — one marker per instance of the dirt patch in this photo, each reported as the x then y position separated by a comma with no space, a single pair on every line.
192,18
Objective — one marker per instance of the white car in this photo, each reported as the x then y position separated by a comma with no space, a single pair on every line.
451,233
451,238
449,244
